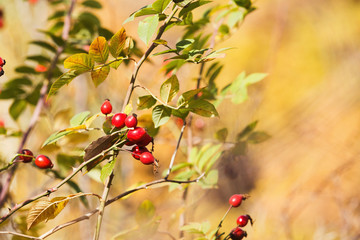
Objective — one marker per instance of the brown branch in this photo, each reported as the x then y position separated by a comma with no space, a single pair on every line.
40,103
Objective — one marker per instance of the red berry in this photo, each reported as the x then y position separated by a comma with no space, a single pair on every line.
26,159
118,120
137,151
147,158
40,68
236,199
43,162
2,62
136,135
131,121
2,123
128,143
243,220
106,107
237,234
1,71
146,140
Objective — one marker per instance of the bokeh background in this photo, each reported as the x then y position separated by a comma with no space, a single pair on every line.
303,182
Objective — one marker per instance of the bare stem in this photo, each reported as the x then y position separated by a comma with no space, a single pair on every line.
222,220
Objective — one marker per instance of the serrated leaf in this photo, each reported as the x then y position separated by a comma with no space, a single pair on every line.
145,102
66,78
160,5
169,89
248,129
80,62
258,137
107,170
203,108
117,42
99,75
97,147
222,134
79,118
147,28
99,50
16,108
160,115
145,212
128,109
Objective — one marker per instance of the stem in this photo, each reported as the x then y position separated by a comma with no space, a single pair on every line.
176,149
222,220
20,235
102,205
40,103
156,98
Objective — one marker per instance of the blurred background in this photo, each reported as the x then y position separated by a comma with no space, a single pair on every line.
303,181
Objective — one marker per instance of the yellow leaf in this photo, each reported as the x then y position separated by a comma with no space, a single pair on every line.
128,109
99,50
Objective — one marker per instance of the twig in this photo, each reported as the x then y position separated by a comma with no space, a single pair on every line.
222,220
176,149
20,235
40,103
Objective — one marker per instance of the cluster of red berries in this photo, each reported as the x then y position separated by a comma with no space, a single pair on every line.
41,161
2,63
238,233
136,136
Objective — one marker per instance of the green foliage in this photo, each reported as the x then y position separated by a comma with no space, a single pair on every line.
147,28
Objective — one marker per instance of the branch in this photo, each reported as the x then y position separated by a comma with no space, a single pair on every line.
20,235
40,102
110,201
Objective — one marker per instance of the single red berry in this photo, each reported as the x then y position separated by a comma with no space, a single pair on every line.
129,143
106,107
1,71
237,234
131,121
146,140
2,62
118,120
242,220
236,199
136,135
28,158
2,123
43,162
137,151
147,158
40,68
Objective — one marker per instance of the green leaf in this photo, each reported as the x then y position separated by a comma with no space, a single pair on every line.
38,58
258,137
115,64
203,108
210,180
239,86
17,83
45,45
243,3
99,50
169,89
16,108
206,156
92,4
182,3
147,10
145,213
55,137
57,14
66,78
145,102
147,28
80,62
160,115
184,44
160,5
188,95
79,118
106,170
222,134
99,75
192,6
25,69
160,41
181,112
117,43
248,129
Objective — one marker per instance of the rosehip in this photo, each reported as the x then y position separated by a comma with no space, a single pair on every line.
118,120
43,162
28,158
106,107
2,62
243,220
40,68
236,199
137,151
146,140
131,121
147,158
1,71
136,135
237,234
